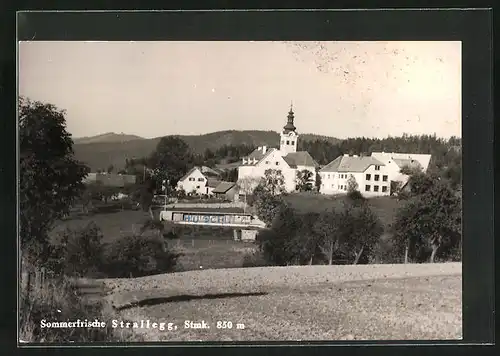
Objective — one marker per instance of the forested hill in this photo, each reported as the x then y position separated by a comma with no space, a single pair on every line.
103,151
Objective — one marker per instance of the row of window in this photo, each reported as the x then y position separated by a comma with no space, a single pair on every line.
277,163
191,179
376,188
333,176
376,177
288,142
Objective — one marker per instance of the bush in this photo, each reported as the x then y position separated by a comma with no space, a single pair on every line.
78,252
137,256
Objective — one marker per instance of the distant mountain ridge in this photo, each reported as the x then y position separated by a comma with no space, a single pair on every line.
107,138
101,151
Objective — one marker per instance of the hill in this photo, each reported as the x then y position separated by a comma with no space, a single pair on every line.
108,137
99,152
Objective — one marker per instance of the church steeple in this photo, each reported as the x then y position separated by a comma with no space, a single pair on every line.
289,135
289,125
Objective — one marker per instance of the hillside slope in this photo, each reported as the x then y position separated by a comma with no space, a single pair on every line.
98,153
108,137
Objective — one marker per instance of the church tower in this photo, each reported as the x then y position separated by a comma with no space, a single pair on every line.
289,136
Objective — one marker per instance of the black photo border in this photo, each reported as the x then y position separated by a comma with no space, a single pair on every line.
473,27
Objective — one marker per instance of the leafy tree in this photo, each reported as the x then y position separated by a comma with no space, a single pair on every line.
363,230
304,180
110,168
273,181
50,176
268,206
328,228
429,223
230,175
171,159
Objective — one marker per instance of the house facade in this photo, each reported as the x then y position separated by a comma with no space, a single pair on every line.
285,159
372,174
227,191
193,182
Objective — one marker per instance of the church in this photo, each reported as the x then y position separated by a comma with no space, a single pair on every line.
286,159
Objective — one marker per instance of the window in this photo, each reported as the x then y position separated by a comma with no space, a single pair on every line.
197,187
367,188
328,176
287,142
201,179
293,142
384,188
267,162
376,177
368,176
191,179
345,187
333,185
341,187
384,178
377,168
277,163
375,188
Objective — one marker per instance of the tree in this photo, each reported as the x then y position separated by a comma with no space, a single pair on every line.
171,159
110,168
364,230
268,206
304,180
247,185
429,223
328,228
273,181
51,179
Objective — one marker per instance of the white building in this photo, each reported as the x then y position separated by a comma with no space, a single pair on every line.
372,174
194,181
285,159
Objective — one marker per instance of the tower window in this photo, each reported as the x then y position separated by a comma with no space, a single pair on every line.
293,142
287,142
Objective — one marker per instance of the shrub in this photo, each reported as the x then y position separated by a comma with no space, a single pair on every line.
78,252
137,256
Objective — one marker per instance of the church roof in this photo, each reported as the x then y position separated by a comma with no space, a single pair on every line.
300,158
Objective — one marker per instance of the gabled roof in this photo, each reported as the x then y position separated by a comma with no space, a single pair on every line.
258,155
403,158
212,183
351,164
301,158
189,173
209,171
410,163
223,187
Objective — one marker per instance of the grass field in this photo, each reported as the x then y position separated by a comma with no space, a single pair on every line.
376,302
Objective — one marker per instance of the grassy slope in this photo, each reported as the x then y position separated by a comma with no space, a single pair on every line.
100,155
308,302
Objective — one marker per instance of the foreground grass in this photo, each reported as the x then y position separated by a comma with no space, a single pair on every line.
300,303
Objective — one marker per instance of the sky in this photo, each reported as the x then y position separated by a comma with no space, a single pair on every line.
339,89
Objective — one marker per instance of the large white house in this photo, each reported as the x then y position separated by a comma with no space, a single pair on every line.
285,159
372,174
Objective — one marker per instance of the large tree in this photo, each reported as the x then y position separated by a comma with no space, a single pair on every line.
273,182
430,222
50,177
171,160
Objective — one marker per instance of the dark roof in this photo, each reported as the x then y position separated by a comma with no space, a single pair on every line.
301,158
212,183
410,163
351,164
223,187
257,154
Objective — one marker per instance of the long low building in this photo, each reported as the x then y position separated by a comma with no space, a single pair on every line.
371,174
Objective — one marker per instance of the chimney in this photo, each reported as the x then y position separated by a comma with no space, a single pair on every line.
355,155
259,148
346,154
264,149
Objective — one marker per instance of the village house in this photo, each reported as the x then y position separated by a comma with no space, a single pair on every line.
372,174
285,159
227,191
